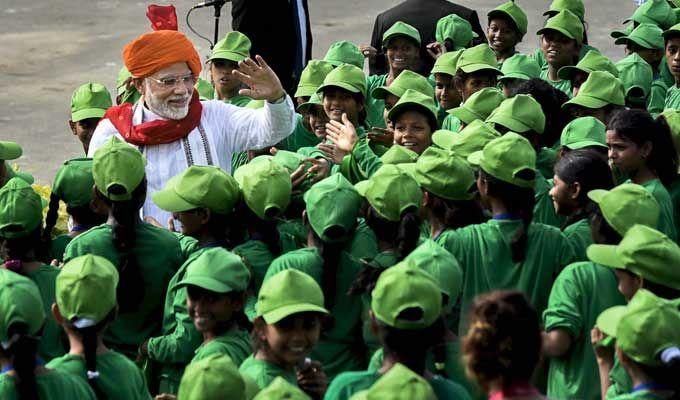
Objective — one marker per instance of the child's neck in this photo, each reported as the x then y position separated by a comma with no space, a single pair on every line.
392,75
77,348
503,55
221,331
436,227
643,175
204,237
227,96
552,71
267,356
498,207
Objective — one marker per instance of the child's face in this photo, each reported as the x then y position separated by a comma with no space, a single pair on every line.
558,49
192,221
628,283
673,57
337,101
652,56
624,154
222,79
209,310
475,82
84,129
317,121
402,53
579,111
509,84
563,196
501,35
445,91
412,131
293,338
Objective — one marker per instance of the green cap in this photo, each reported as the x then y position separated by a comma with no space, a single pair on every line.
332,206
402,287
575,6
617,33
592,61
20,302
648,36
446,63
288,159
266,187
391,191
312,77
673,119
478,58
399,155
86,290
657,12
520,66
637,76
346,77
9,151
520,113
344,52
217,270
645,328
455,28
20,209
673,31
470,139
584,132
414,100
400,28
215,377
479,105
73,182
234,47
645,252
199,186
599,90
626,205
441,265
507,158
90,100
399,383
118,169
406,80
444,174
314,100
565,22
510,10
280,389
286,293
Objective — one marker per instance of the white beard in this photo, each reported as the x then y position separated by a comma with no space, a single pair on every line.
163,109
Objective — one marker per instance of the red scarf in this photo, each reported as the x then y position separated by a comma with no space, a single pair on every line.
154,132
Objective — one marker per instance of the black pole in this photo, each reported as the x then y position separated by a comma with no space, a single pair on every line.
218,13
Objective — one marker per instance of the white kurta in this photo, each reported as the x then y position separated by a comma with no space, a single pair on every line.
228,129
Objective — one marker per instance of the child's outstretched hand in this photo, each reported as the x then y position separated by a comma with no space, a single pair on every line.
344,135
603,354
312,380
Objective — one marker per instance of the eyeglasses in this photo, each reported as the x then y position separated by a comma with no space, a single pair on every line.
169,82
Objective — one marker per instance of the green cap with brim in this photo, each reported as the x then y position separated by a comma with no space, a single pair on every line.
648,36
599,90
90,100
470,139
286,293
455,28
414,100
86,290
626,205
479,105
441,265
74,181
25,176
584,132
217,270
657,12
566,23
20,303
118,169
673,31
592,61
312,77
444,174
402,29
399,155
266,187
314,100
617,33
637,76
235,47
347,77
332,206
510,158
446,63
520,66
214,377
520,113
280,389
20,209
406,80
391,191
510,10
399,383
575,6
344,52
199,186
478,58
10,150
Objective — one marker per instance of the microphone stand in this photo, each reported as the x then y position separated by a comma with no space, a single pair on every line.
218,12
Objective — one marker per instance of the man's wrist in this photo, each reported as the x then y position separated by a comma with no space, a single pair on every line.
278,99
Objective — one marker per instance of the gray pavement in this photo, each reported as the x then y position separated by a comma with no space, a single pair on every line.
49,47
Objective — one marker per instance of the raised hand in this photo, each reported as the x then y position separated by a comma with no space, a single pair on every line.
381,136
435,49
344,135
368,51
263,84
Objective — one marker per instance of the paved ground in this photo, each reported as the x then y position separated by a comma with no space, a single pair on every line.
49,47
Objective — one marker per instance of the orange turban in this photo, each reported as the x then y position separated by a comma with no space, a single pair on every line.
156,50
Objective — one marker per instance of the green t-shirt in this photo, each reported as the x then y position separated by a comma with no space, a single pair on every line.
119,378
375,108
483,251
672,100
263,372
292,235
52,343
666,223
158,256
52,385
544,210
257,257
57,247
307,260
674,192
619,381
239,100
451,123
574,308
301,137
441,114
657,97
348,383
545,162
580,237
563,84
235,344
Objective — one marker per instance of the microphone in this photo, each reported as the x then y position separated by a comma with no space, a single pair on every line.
217,3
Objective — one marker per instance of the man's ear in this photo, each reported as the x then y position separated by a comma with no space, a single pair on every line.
139,85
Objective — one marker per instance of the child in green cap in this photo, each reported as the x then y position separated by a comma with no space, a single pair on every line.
88,105
85,306
478,106
289,315
21,250
22,318
516,70
638,81
561,41
584,133
577,74
641,148
215,377
129,244
476,68
279,389
405,315
344,52
451,33
397,384
600,96
646,40
507,25
672,49
446,93
226,54
502,348
11,151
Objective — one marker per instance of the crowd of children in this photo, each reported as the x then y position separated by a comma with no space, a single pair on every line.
506,227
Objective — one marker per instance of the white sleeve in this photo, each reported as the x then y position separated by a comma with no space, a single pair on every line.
102,133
